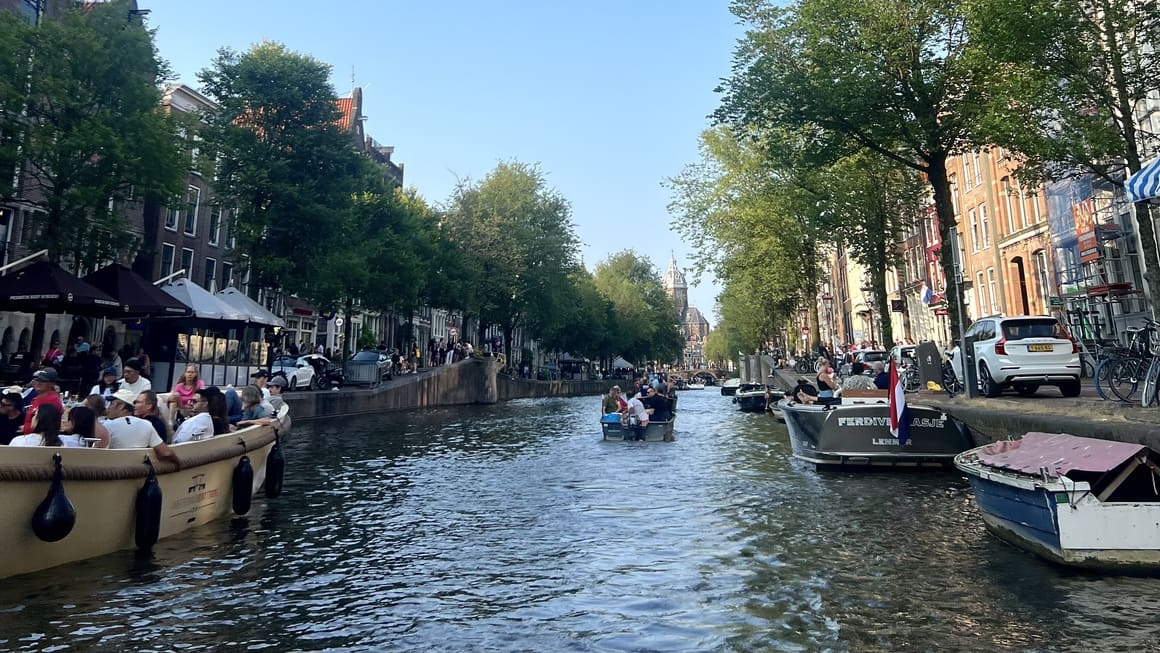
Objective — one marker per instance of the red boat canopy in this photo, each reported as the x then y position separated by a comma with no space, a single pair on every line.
1058,453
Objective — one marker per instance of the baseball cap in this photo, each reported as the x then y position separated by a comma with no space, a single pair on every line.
260,374
46,374
109,371
126,395
279,381
133,363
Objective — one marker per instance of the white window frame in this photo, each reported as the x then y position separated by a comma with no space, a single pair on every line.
192,206
1022,205
215,225
978,168
991,289
188,267
210,277
973,219
227,274
172,258
981,292
173,216
985,226
1009,205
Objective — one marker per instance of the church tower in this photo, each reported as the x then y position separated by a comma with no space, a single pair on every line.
676,287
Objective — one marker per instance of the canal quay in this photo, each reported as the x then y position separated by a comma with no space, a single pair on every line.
512,526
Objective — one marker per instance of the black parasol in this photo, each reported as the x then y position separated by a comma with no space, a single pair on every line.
136,294
47,288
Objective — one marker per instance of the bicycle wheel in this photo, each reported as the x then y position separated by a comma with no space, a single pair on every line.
1148,394
1102,374
1124,378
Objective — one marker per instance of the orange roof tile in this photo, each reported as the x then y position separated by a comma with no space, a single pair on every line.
346,108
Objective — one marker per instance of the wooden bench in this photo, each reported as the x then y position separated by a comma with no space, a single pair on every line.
865,394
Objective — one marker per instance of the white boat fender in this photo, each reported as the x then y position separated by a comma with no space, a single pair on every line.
55,517
275,468
243,488
148,527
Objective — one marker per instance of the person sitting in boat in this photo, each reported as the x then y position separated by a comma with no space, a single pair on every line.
827,382
146,408
613,402
804,393
11,416
183,394
252,403
657,406
127,431
209,417
857,379
881,376
276,385
82,422
634,413
44,384
46,430
107,385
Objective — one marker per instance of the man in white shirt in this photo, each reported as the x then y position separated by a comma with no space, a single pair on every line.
133,380
200,425
129,432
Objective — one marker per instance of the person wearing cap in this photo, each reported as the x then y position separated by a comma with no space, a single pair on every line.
44,383
107,385
260,378
276,385
127,431
133,380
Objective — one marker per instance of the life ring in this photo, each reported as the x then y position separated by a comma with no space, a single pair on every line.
243,488
55,517
148,527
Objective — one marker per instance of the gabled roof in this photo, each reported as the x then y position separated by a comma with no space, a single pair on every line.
346,108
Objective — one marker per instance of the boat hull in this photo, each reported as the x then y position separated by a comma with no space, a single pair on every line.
750,402
654,432
851,436
1063,522
102,486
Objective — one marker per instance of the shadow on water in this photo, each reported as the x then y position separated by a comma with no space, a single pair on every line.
515,528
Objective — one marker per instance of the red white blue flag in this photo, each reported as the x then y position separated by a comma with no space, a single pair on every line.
899,415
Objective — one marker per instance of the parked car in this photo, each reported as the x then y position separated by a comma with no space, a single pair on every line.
357,369
1023,353
867,358
297,370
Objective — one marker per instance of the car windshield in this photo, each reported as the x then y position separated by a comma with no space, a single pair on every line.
364,356
1041,328
871,356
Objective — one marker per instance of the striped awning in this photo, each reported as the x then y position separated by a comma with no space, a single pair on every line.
1145,184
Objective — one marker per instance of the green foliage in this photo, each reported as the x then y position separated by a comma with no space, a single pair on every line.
366,339
80,114
645,318
286,162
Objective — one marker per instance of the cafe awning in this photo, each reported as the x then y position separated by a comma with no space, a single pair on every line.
203,303
135,292
257,314
47,288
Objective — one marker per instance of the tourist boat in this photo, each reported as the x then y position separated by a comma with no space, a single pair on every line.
730,386
855,433
654,432
114,503
1076,501
696,385
754,397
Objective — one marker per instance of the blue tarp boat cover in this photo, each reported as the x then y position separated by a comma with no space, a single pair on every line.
1058,453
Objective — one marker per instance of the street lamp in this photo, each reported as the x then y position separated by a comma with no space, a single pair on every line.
828,309
869,296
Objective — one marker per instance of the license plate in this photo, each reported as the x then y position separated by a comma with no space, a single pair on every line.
1040,348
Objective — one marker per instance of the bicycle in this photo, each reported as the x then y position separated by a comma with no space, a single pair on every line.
1132,364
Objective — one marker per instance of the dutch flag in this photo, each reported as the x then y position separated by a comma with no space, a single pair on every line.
926,293
899,415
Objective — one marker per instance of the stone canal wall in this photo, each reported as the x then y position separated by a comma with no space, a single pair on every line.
474,381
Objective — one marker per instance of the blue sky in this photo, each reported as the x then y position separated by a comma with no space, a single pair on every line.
608,97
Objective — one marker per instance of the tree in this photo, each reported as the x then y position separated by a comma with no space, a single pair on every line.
587,322
646,318
285,161
80,118
518,243
1072,76
895,77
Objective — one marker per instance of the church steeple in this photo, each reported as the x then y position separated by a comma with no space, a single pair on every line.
676,287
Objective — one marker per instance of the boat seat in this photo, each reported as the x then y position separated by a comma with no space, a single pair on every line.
865,394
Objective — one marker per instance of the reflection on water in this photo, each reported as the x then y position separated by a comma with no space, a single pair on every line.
514,528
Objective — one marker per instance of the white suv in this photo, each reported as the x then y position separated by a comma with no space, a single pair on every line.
1023,353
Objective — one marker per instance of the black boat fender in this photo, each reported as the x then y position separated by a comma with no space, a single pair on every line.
243,488
55,517
148,526
275,468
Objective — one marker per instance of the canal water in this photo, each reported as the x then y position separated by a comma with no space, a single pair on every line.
515,528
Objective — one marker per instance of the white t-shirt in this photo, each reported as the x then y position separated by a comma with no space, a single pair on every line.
131,433
198,427
37,440
638,409
137,388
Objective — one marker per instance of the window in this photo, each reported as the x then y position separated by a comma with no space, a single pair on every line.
187,262
245,284
991,289
172,217
985,226
980,291
978,168
1040,259
192,200
1036,217
167,253
967,176
227,275
210,275
954,184
975,240
231,230
194,152
1022,205
1007,204
215,224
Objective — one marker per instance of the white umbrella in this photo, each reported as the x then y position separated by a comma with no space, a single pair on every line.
203,303
244,304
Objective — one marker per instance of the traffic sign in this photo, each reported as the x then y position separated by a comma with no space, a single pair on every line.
338,322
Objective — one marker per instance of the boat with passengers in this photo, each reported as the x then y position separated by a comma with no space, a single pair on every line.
64,504
853,431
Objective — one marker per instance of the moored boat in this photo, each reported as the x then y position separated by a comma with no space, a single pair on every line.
217,476
1080,502
730,386
754,397
654,432
856,434
695,386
